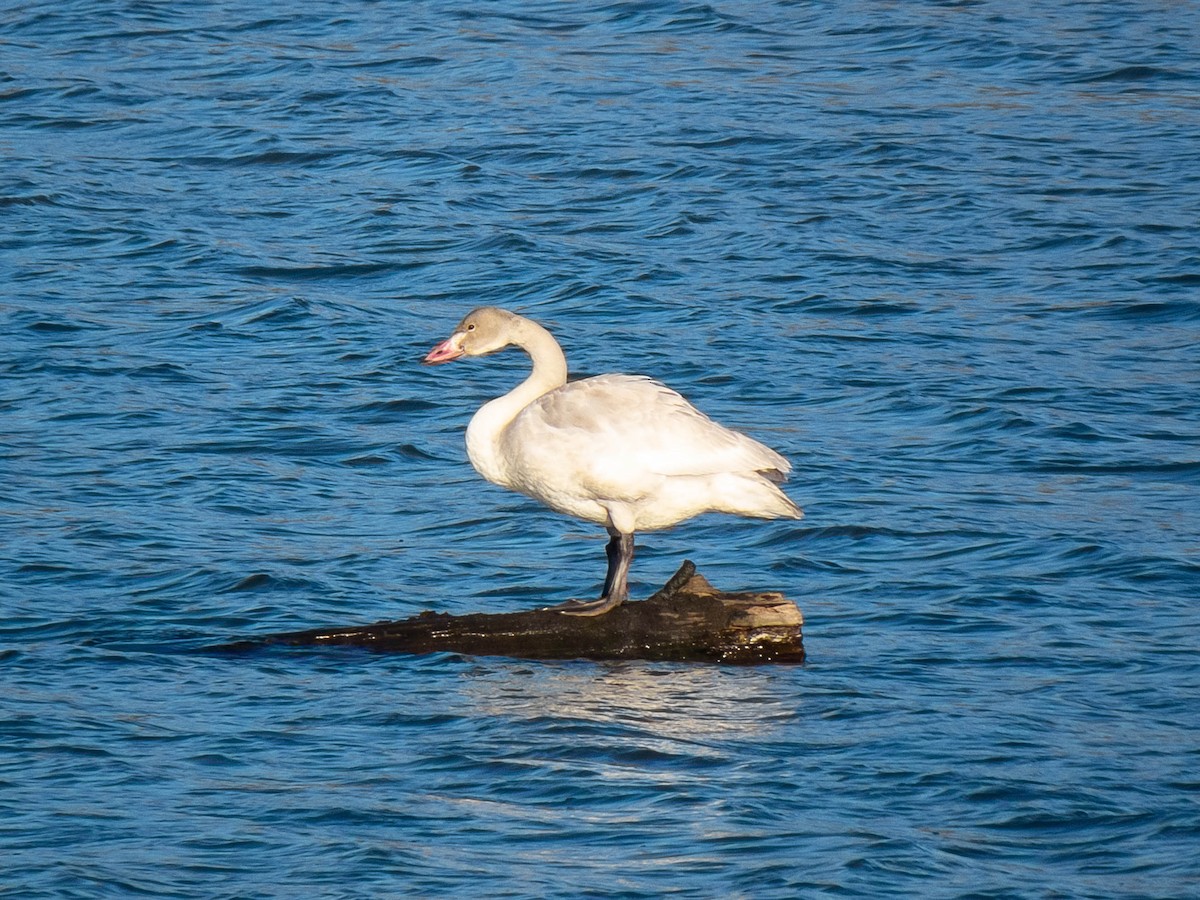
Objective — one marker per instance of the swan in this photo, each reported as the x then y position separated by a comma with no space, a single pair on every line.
620,450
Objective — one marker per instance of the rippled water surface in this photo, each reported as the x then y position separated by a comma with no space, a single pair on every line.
943,256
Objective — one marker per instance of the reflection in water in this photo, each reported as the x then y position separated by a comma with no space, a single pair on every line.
689,704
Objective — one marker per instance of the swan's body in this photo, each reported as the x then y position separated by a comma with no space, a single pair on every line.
619,450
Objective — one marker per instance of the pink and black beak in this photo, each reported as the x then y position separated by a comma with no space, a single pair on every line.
447,350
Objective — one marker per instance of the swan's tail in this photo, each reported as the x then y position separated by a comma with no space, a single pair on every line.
757,495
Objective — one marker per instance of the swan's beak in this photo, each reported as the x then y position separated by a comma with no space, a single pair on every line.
449,349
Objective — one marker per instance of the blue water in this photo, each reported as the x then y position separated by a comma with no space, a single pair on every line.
945,257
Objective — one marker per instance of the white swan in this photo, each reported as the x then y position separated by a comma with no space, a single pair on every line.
620,450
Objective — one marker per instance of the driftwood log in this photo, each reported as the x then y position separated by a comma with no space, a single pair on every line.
687,620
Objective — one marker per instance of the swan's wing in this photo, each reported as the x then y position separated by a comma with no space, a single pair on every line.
612,432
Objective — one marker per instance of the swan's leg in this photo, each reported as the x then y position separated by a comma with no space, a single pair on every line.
612,552
616,582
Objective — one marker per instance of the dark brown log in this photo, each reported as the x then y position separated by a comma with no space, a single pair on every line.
687,620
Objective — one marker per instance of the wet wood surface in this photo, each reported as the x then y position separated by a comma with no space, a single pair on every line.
687,620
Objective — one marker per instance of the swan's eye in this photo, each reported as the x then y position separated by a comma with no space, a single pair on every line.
471,327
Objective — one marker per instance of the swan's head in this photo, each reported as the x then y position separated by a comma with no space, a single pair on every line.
482,331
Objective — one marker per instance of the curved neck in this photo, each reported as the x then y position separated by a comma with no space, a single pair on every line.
488,424
549,364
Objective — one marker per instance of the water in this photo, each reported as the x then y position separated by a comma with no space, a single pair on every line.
942,256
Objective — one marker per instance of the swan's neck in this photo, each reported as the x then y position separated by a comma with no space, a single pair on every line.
487,426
